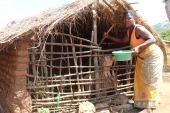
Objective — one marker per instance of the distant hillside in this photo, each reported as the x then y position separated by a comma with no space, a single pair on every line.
161,26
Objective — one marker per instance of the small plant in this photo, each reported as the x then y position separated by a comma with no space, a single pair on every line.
43,110
123,110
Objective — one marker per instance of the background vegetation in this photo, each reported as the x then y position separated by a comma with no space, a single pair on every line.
163,29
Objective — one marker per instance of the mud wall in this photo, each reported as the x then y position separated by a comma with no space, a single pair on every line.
13,71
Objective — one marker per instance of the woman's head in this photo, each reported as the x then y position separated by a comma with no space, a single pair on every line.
129,17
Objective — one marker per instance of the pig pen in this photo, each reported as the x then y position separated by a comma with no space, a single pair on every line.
63,71
68,66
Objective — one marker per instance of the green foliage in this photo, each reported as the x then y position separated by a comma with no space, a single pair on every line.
161,26
58,98
165,34
43,110
164,1
157,28
123,110
163,29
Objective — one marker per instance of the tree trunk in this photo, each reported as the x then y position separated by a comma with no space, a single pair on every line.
167,9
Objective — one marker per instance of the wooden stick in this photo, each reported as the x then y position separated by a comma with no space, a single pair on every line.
39,62
64,44
79,38
51,63
33,65
125,79
67,94
75,61
81,76
69,72
88,72
65,84
107,33
125,85
66,53
125,74
84,52
133,2
95,41
45,70
90,59
131,66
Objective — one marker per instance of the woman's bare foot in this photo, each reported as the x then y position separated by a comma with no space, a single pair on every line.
149,110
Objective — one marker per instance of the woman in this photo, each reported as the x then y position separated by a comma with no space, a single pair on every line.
149,63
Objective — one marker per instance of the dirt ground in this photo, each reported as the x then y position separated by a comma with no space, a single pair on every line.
164,103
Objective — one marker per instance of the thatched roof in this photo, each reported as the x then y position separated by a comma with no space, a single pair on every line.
17,29
48,19
80,10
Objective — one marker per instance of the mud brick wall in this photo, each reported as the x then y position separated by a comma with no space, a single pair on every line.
14,97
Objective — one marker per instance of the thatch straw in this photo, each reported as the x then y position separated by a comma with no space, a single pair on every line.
46,19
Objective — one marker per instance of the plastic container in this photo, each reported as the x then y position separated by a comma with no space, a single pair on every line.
123,55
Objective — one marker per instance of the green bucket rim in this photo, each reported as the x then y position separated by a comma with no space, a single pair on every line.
122,55
123,51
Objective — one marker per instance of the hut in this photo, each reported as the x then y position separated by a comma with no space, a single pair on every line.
56,59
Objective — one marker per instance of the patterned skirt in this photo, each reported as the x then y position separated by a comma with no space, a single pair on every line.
148,77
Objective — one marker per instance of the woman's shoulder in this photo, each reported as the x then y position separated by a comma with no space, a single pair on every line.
140,27
141,30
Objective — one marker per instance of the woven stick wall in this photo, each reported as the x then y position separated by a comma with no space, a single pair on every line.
62,67
61,73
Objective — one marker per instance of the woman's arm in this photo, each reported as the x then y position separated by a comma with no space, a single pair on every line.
146,35
123,40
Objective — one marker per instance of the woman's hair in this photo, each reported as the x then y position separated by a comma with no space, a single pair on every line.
130,12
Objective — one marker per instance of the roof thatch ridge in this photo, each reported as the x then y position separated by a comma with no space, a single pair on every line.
49,17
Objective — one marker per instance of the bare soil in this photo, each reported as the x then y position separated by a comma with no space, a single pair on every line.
164,103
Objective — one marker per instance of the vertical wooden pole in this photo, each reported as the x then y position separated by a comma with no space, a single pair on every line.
95,41
45,65
75,60
51,63
33,65
128,76
68,60
42,73
60,71
90,60
33,59
81,76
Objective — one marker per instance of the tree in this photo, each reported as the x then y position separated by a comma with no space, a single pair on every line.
167,8
165,34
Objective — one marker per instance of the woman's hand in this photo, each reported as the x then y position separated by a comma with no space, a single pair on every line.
105,35
136,49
